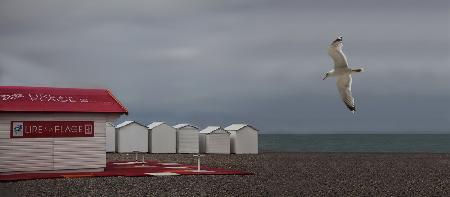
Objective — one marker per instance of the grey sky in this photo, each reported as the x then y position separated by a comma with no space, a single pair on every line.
219,62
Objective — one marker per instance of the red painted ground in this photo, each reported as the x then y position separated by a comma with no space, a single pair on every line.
127,168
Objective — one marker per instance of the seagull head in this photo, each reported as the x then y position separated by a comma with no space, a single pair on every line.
338,40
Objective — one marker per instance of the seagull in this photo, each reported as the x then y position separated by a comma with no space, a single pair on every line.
343,73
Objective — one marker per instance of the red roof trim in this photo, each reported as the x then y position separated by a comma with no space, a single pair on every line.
117,100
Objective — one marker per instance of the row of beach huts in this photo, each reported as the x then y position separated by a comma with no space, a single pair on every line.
159,137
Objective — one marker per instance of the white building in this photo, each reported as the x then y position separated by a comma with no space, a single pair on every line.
244,139
162,138
55,129
187,138
110,137
131,136
214,139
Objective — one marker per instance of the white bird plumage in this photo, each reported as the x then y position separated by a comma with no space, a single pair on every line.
343,73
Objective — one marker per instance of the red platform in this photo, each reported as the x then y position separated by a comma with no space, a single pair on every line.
129,169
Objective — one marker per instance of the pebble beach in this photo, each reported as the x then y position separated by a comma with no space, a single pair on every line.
275,174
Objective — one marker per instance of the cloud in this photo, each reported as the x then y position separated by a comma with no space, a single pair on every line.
233,61
19,71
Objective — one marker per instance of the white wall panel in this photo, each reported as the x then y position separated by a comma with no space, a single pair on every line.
163,139
36,154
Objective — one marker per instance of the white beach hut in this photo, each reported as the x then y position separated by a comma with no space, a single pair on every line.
187,138
214,139
110,137
131,136
162,138
244,139
55,129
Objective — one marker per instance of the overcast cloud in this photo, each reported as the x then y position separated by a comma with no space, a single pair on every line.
220,62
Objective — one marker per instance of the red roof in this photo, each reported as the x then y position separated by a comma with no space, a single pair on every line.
46,99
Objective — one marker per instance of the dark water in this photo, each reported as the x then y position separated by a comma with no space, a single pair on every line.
436,143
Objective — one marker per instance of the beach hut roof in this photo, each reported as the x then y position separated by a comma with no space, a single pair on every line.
237,127
51,99
154,124
179,126
211,129
125,123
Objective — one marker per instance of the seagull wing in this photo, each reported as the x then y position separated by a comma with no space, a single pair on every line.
344,86
339,58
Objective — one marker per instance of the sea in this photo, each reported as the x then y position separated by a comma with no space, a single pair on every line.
403,143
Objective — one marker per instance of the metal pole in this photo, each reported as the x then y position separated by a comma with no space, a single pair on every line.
198,163
143,159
